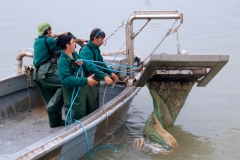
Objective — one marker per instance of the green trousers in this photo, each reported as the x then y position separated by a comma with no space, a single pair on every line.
82,106
94,90
47,81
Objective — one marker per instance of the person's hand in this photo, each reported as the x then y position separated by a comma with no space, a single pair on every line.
79,63
114,76
56,35
108,80
84,40
91,81
80,40
66,33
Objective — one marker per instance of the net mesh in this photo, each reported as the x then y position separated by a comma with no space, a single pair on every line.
168,95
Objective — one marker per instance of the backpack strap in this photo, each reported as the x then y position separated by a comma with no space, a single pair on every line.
72,62
94,57
49,51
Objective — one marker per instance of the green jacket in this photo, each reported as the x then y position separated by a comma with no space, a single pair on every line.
66,69
87,54
41,54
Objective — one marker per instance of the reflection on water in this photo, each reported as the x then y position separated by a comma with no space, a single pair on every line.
200,135
190,146
208,126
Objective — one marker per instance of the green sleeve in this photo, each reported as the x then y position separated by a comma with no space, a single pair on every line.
105,66
86,54
52,44
70,81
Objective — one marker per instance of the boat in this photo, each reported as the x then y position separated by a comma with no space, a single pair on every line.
25,133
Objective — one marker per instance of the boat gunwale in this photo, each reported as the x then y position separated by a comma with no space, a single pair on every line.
6,89
68,133
12,76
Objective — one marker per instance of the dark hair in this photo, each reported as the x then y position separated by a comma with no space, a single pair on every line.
46,31
62,40
98,33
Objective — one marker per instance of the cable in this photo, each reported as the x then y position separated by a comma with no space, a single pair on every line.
86,136
73,99
109,68
70,121
104,146
106,114
101,62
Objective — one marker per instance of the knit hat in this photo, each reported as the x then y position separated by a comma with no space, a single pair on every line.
62,40
42,28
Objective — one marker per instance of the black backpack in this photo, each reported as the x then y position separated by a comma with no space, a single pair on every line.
54,54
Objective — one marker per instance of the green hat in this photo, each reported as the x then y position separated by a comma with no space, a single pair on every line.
42,28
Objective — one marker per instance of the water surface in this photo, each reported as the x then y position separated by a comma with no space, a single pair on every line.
208,126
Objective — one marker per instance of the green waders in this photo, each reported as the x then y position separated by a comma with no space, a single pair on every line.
94,90
83,104
47,81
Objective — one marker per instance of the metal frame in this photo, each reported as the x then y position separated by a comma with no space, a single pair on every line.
214,62
154,14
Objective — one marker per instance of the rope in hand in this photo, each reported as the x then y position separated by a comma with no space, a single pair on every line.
108,63
70,121
106,114
73,99
93,63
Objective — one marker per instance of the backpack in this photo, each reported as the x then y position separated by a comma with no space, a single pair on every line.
54,54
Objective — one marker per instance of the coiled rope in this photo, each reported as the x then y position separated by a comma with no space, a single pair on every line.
73,99
70,121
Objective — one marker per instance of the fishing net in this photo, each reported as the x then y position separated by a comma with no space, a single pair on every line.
169,93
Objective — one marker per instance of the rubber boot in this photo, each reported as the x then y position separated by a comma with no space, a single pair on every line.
55,119
55,104
61,121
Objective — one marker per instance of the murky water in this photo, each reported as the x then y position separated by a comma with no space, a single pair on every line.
208,126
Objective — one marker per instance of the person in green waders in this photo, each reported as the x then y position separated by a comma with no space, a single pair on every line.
45,74
92,52
68,69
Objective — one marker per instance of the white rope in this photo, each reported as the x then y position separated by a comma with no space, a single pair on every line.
106,114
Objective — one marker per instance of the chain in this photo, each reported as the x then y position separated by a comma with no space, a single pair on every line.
176,31
28,71
124,23
167,34
120,49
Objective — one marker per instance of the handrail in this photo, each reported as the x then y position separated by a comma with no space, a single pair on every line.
19,59
154,14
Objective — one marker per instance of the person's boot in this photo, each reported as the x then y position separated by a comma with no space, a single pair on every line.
55,120
61,121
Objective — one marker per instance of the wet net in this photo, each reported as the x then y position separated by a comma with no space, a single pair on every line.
169,93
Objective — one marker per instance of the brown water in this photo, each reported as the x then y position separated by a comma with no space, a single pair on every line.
208,126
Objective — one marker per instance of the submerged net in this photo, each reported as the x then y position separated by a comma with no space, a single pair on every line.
169,93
